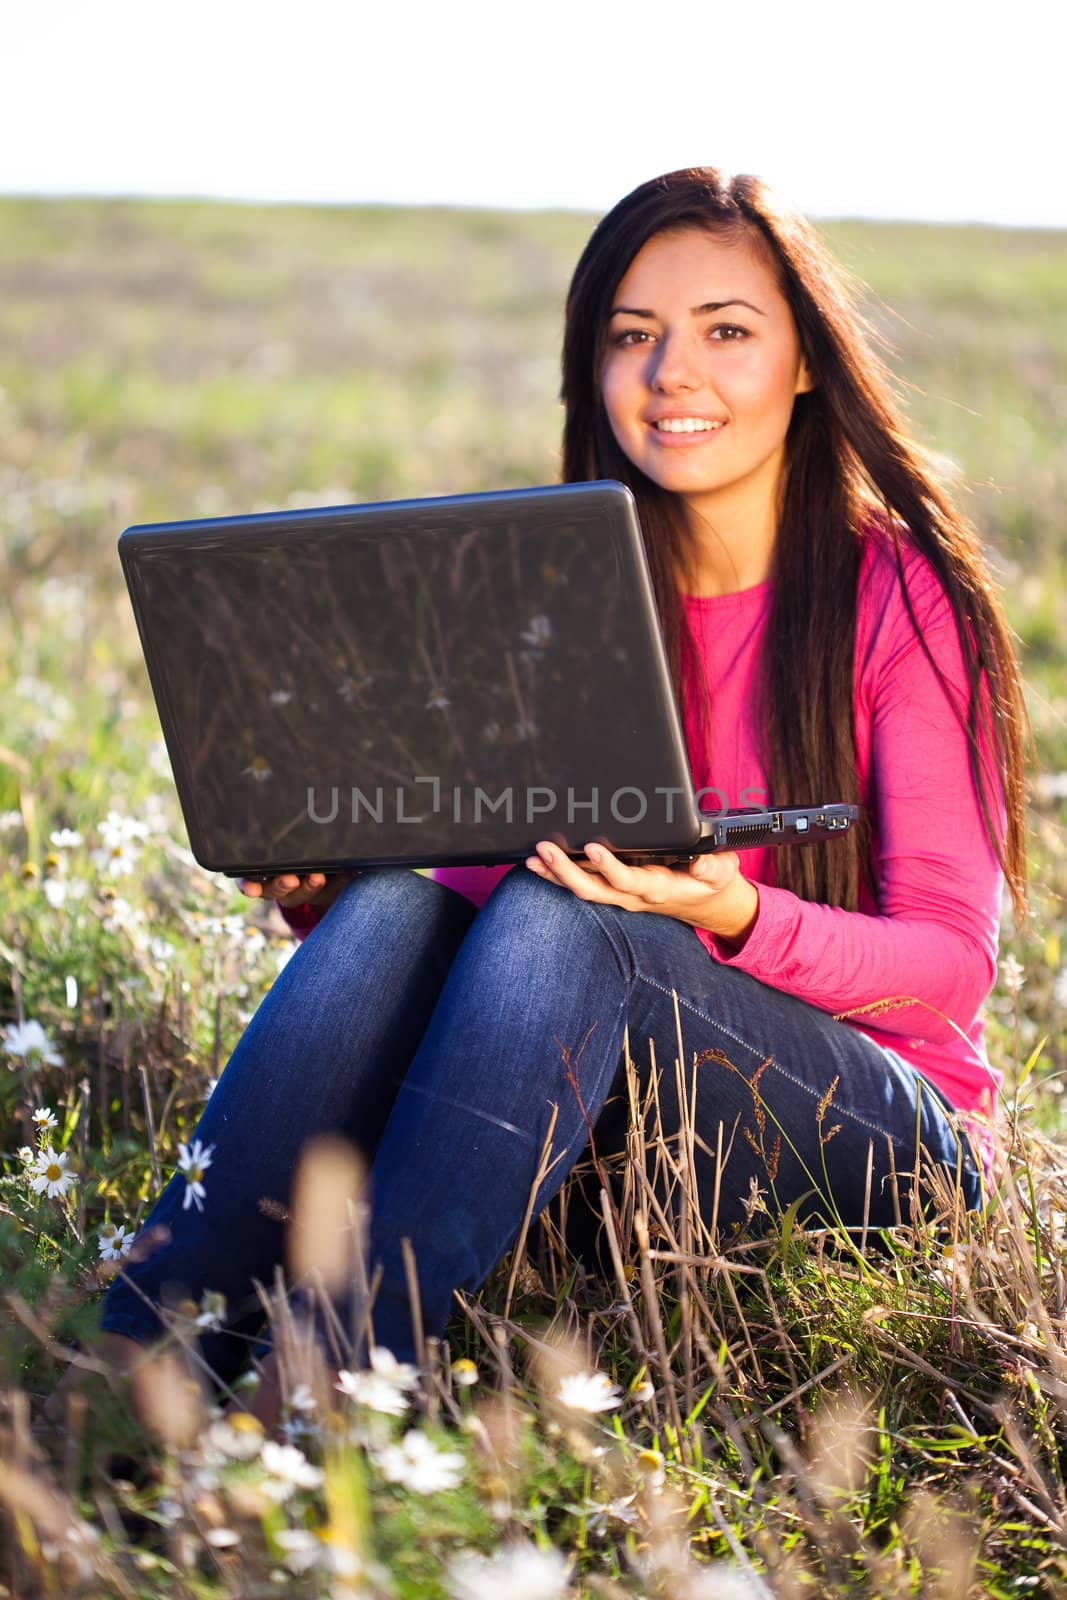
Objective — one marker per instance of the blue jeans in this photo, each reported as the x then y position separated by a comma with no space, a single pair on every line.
436,1037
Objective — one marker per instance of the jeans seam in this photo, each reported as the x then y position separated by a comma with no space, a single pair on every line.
853,1116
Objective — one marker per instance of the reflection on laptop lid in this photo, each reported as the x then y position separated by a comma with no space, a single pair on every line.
427,681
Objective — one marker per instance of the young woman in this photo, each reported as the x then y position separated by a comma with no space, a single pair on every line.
833,632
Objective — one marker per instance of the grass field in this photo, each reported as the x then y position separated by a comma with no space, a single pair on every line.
170,360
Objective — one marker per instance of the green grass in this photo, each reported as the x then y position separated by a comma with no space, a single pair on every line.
166,360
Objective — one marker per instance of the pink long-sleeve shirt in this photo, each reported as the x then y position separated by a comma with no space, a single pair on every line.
913,966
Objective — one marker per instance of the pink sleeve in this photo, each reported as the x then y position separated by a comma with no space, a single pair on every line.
476,883
302,919
934,940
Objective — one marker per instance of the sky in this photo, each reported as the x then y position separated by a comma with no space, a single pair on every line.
926,109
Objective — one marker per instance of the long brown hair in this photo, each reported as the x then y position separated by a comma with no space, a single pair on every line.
849,460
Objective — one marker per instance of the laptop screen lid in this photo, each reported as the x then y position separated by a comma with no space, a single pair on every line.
421,682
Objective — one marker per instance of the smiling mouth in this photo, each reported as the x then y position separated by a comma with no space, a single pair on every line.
687,425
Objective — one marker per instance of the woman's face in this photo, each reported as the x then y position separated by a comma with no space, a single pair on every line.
701,368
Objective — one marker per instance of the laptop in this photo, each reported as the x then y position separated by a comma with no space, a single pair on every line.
424,683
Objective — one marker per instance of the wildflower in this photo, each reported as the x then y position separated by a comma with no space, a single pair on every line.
44,1120
239,1436
50,1174
10,820
643,1393
464,1373
258,769
438,701
289,1469
55,892
589,1391
222,1538
371,1390
538,633
193,1161
65,839
115,1242
399,1373
521,1571
212,1309
280,697
1012,974
26,1154
29,1040
303,1549
119,830
302,1398
419,1465
122,917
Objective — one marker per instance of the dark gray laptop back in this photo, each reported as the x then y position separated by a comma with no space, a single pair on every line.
424,682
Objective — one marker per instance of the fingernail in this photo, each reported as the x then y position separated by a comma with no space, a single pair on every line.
594,852
545,852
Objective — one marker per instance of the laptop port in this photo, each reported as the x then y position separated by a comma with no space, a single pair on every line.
776,822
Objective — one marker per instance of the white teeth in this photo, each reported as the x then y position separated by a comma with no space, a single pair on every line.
686,425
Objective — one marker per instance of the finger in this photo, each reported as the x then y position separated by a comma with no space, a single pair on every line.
564,871
250,887
283,885
616,872
716,871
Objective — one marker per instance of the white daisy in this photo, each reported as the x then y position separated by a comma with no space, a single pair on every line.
239,1436
29,1041
50,1174
419,1465
438,701
589,1391
55,892
401,1374
520,1571
44,1120
212,1309
368,1389
115,1241
289,1469
302,1398
65,839
303,1549
538,633
193,1161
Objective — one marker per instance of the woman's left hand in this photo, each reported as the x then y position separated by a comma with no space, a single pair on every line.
709,892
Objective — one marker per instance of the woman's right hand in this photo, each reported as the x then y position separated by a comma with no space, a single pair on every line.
291,889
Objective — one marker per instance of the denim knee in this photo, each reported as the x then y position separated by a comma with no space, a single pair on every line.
524,907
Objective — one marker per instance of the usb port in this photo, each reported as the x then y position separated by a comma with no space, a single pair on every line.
776,821
821,818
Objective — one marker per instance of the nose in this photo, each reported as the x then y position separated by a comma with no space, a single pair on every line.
676,365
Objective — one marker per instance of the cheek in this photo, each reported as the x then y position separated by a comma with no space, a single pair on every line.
760,385
616,392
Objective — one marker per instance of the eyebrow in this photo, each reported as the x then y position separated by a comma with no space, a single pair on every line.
696,311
